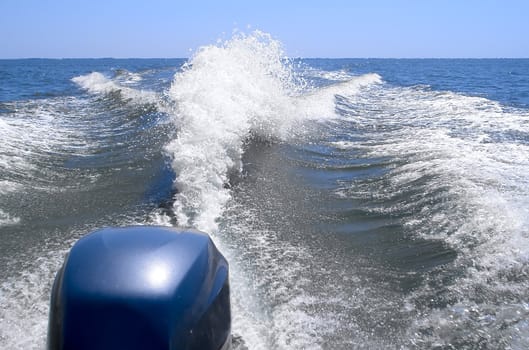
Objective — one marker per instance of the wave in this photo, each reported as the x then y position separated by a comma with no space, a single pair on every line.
225,95
458,174
97,83
128,78
36,136
321,102
471,146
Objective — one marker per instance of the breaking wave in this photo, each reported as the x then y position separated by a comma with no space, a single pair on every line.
226,94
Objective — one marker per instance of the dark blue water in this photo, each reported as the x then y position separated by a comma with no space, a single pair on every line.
44,78
361,203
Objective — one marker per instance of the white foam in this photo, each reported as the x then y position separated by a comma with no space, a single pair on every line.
128,78
33,135
320,103
7,220
9,186
470,157
224,95
272,301
97,83
11,152
448,138
24,303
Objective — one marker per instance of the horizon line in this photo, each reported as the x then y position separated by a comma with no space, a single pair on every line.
294,58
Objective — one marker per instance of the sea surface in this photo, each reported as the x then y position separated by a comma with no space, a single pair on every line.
361,203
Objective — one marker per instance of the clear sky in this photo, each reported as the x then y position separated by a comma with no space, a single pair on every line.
326,28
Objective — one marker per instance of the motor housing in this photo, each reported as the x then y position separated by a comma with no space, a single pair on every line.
141,287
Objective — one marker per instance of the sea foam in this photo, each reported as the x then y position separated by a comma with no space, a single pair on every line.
459,175
97,83
227,93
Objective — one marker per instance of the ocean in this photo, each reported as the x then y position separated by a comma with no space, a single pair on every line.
361,203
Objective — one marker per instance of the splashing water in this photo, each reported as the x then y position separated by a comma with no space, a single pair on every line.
242,88
97,83
225,93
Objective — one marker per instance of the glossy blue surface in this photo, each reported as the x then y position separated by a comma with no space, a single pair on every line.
141,288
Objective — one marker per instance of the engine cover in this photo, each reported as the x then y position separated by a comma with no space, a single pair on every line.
141,287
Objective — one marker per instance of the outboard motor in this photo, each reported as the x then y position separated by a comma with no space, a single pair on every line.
143,288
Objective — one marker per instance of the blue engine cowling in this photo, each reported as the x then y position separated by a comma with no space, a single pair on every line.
141,287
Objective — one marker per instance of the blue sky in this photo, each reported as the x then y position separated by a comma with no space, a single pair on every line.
326,28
